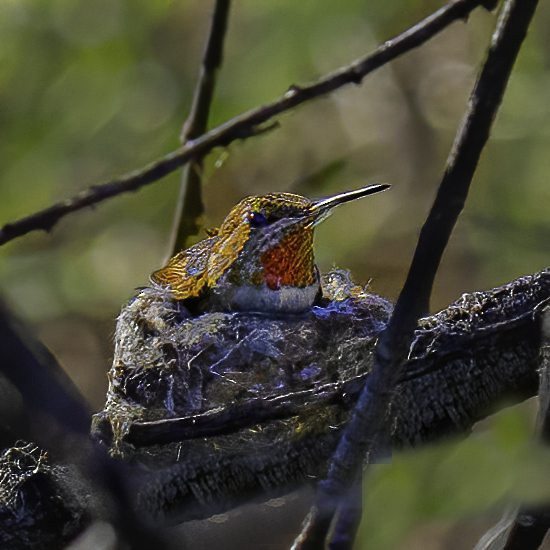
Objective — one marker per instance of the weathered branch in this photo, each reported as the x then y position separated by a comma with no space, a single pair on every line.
365,427
479,352
190,206
247,124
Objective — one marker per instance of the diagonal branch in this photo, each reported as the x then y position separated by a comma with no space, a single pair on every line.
246,124
366,427
59,421
190,206
43,384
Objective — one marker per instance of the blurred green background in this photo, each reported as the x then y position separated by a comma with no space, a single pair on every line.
90,90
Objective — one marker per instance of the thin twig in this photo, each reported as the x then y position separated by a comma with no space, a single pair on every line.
368,423
190,206
246,124
348,518
525,527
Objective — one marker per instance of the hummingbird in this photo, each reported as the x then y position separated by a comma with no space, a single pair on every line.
261,257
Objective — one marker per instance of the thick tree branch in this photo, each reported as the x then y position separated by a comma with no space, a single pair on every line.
366,425
44,386
190,206
247,124
59,421
503,346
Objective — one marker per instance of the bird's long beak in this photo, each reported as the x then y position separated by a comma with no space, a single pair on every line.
323,207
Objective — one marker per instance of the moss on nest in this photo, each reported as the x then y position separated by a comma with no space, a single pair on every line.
169,363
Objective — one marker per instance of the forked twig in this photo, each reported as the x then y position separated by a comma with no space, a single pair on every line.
367,424
525,527
247,124
190,206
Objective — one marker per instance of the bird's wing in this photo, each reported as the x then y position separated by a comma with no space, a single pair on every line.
185,273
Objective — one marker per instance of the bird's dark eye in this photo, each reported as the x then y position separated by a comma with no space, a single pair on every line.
257,219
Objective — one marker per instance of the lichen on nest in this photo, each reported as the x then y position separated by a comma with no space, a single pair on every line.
170,363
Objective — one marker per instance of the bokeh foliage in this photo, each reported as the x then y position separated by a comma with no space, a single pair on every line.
89,90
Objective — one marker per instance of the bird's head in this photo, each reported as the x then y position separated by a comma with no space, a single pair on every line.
268,239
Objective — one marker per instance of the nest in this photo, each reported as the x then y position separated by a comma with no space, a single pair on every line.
39,507
220,372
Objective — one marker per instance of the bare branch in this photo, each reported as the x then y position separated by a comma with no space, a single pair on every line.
247,124
367,424
46,389
526,527
190,206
